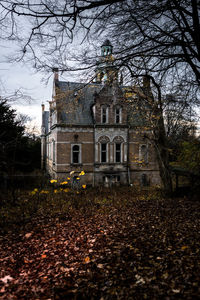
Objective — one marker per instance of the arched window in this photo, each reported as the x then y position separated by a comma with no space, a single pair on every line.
75,154
118,146
104,114
118,152
104,149
118,115
104,142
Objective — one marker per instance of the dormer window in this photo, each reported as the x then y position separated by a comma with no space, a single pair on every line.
118,115
104,114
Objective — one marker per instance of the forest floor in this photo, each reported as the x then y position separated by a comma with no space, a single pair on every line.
133,247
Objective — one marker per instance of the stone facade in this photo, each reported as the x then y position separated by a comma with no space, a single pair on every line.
88,128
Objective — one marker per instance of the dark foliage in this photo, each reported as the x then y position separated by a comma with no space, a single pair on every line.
18,152
11,133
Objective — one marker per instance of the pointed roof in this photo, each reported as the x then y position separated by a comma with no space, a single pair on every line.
107,43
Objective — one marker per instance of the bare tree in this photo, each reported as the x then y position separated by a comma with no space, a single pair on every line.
159,35
180,118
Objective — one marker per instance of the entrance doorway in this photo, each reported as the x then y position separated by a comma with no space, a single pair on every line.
110,180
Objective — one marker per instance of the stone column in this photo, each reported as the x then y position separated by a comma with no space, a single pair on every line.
96,152
125,152
111,153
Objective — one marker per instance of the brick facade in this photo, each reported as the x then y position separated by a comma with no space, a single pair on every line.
88,128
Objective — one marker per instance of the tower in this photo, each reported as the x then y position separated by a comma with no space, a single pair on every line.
106,71
106,48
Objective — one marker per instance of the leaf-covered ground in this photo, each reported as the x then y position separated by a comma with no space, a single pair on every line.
140,249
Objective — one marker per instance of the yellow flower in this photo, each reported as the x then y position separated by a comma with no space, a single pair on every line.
68,178
64,182
53,180
66,190
78,178
84,186
55,191
77,192
35,190
32,192
82,173
44,192
72,172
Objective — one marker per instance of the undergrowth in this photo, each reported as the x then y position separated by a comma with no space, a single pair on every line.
53,203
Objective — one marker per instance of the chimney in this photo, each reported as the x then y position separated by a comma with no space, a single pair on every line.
55,71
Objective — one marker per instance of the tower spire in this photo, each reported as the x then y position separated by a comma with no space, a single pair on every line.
106,71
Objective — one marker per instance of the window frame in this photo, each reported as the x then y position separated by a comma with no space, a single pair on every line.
54,152
144,158
104,114
104,151
118,151
119,115
79,154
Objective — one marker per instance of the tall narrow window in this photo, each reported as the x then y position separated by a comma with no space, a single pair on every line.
104,152
118,152
118,115
144,153
104,114
54,152
144,180
75,154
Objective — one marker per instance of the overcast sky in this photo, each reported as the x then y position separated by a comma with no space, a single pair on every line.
15,76
18,76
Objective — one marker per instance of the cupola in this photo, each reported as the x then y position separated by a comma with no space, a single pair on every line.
106,48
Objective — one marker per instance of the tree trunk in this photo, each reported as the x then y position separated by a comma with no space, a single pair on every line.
161,146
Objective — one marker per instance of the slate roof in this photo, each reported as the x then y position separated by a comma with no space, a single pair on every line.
79,98
107,43
78,102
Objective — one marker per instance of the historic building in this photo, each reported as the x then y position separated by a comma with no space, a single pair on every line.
94,127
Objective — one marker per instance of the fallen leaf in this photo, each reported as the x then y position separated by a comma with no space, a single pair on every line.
87,260
2,290
28,235
184,247
6,278
176,291
100,266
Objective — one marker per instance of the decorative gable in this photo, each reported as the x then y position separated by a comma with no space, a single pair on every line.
110,105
